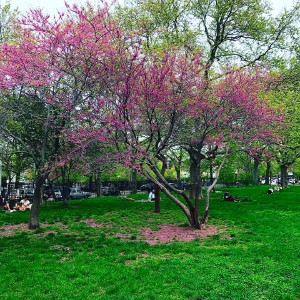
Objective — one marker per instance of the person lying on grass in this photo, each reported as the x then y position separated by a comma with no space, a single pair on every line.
228,197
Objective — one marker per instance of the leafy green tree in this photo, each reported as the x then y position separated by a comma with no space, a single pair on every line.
25,119
14,161
287,95
7,16
162,24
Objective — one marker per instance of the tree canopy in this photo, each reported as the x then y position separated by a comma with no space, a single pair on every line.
90,82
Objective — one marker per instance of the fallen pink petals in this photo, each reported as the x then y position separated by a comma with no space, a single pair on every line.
170,232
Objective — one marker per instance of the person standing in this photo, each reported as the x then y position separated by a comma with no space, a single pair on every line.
151,196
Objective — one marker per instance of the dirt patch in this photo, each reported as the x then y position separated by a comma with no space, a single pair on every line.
9,230
166,234
170,232
92,223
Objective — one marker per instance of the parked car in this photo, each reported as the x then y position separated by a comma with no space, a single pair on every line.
86,194
110,191
147,187
57,193
28,193
76,193
292,180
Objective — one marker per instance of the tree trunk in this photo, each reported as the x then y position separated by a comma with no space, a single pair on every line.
211,173
164,166
195,188
8,189
52,190
98,184
157,199
284,175
90,183
210,189
195,180
65,188
35,209
133,181
255,170
17,182
268,173
178,177
194,217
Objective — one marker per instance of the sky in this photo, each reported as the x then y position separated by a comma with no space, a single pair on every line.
52,6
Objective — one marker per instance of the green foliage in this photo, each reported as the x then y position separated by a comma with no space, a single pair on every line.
162,24
7,16
286,95
253,256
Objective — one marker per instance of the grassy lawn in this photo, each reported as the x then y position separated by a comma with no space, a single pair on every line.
94,250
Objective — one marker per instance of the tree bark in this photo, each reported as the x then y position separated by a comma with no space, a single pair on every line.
255,170
195,181
284,175
210,189
35,209
157,199
195,188
8,189
17,182
65,187
133,181
98,184
268,173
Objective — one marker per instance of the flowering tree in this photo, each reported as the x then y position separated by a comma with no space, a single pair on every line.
97,85
164,102
48,73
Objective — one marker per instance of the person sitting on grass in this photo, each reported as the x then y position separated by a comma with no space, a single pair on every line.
11,205
25,204
228,197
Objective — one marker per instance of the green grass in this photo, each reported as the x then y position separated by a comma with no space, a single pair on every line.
255,255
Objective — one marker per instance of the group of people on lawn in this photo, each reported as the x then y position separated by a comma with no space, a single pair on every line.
12,205
228,197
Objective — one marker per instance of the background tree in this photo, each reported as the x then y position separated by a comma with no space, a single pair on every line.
288,152
161,24
7,16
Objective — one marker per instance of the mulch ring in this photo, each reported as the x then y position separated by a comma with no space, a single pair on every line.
170,232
